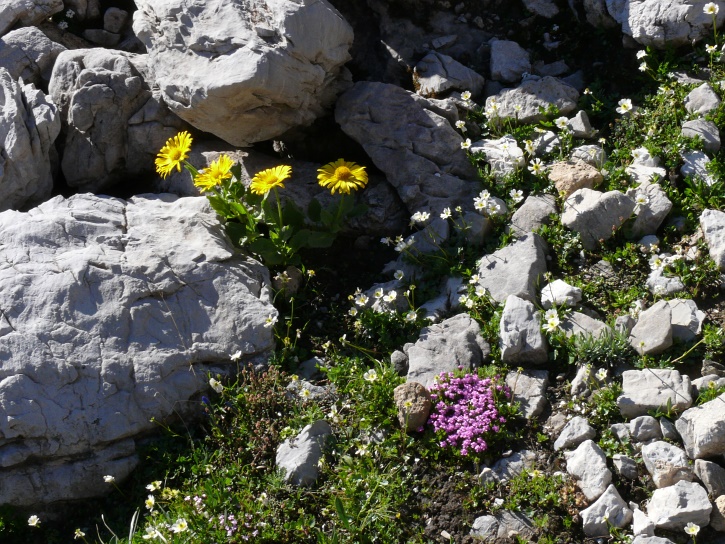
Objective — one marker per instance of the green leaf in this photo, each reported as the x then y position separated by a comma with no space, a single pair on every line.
292,215
313,210
267,251
236,232
341,513
307,238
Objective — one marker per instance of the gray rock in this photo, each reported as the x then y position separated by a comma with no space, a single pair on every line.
437,73
114,125
706,131
642,173
532,95
417,149
717,518
546,143
699,385
641,524
400,362
609,506
650,215
625,466
663,285
414,405
444,346
702,100
503,526
113,314
84,9
645,429
509,467
29,125
555,68
669,431
712,476
533,213
514,269
579,324
694,163
686,319
593,155
114,19
544,8
588,465
568,176
29,54
509,61
101,37
26,12
621,431
596,216
529,390
560,293
652,389
653,332
299,456
675,506
503,155
312,369
667,464
624,324
712,223
576,431
670,22
303,389
641,539
597,14
245,74
702,429
581,127
520,337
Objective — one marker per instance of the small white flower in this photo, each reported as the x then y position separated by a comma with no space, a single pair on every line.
561,123
411,316
551,313
390,297
150,502
179,526
461,125
305,393
153,486
529,147
152,532
216,386
466,144
481,291
692,529
270,321
70,14
236,355
711,8
362,450
379,292
352,311
387,241
474,278
419,217
552,324
493,209
601,374
641,199
78,534
63,25
466,95
446,214
109,479
517,195
643,67
625,106
641,54
370,375
361,299
711,48
536,167
34,521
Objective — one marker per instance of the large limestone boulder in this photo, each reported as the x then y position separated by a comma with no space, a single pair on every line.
412,142
26,12
112,314
245,71
30,54
113,124
29,125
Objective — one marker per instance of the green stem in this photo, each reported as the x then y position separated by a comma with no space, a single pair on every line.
279,207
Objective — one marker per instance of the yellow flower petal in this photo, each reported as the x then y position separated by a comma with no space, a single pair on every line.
173,153
215,174
266,180
342,176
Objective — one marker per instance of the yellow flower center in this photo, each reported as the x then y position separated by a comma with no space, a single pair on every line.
343,173
175,154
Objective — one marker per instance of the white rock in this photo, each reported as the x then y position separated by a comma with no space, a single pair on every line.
113,313
520,335
576,431
524,102
641,524
26,12
652,389
712,223
560,293
645,429
686,319
653,332
609,508
675,506
299,457
509,61
706,131
29,54
588,465
594,215
702,100
694,163
649,215
667,464
529,390
437,73
503,155
245,73
702,429
29,125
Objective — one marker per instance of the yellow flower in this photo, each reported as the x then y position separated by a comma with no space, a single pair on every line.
267,179
218,171
173,153
342,176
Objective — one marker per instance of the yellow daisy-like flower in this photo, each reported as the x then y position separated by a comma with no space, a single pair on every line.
173,153
218,171
267,179
342,176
